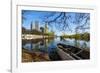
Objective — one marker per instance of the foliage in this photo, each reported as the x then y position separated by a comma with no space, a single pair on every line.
83,36
63,20
36,32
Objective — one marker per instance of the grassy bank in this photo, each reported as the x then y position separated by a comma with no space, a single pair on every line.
84,36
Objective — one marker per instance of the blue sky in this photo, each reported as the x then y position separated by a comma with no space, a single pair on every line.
32,16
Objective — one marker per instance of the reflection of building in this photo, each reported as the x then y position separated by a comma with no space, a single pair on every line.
35,25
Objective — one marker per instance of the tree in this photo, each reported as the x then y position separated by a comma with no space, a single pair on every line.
42,30
23,17
63,20
23,30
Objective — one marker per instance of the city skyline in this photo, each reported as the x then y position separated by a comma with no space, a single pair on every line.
32,16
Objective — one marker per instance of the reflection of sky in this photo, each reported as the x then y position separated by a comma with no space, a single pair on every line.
80,43
32,16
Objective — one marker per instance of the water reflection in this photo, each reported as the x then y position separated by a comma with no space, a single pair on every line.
49,45
36,45
46,43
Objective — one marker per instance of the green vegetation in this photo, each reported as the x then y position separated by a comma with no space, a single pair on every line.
36,32
83,36
26,31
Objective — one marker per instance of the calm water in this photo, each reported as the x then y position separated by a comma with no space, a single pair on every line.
49,45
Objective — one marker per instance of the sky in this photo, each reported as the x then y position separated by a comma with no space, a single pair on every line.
30,16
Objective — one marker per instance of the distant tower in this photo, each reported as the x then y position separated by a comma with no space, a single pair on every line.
36,25
31,28
33,25
46,28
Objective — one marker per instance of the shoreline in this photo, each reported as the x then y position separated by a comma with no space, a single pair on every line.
29,37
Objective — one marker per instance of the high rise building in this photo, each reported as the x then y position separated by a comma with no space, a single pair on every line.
46,28
35,25
31,27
